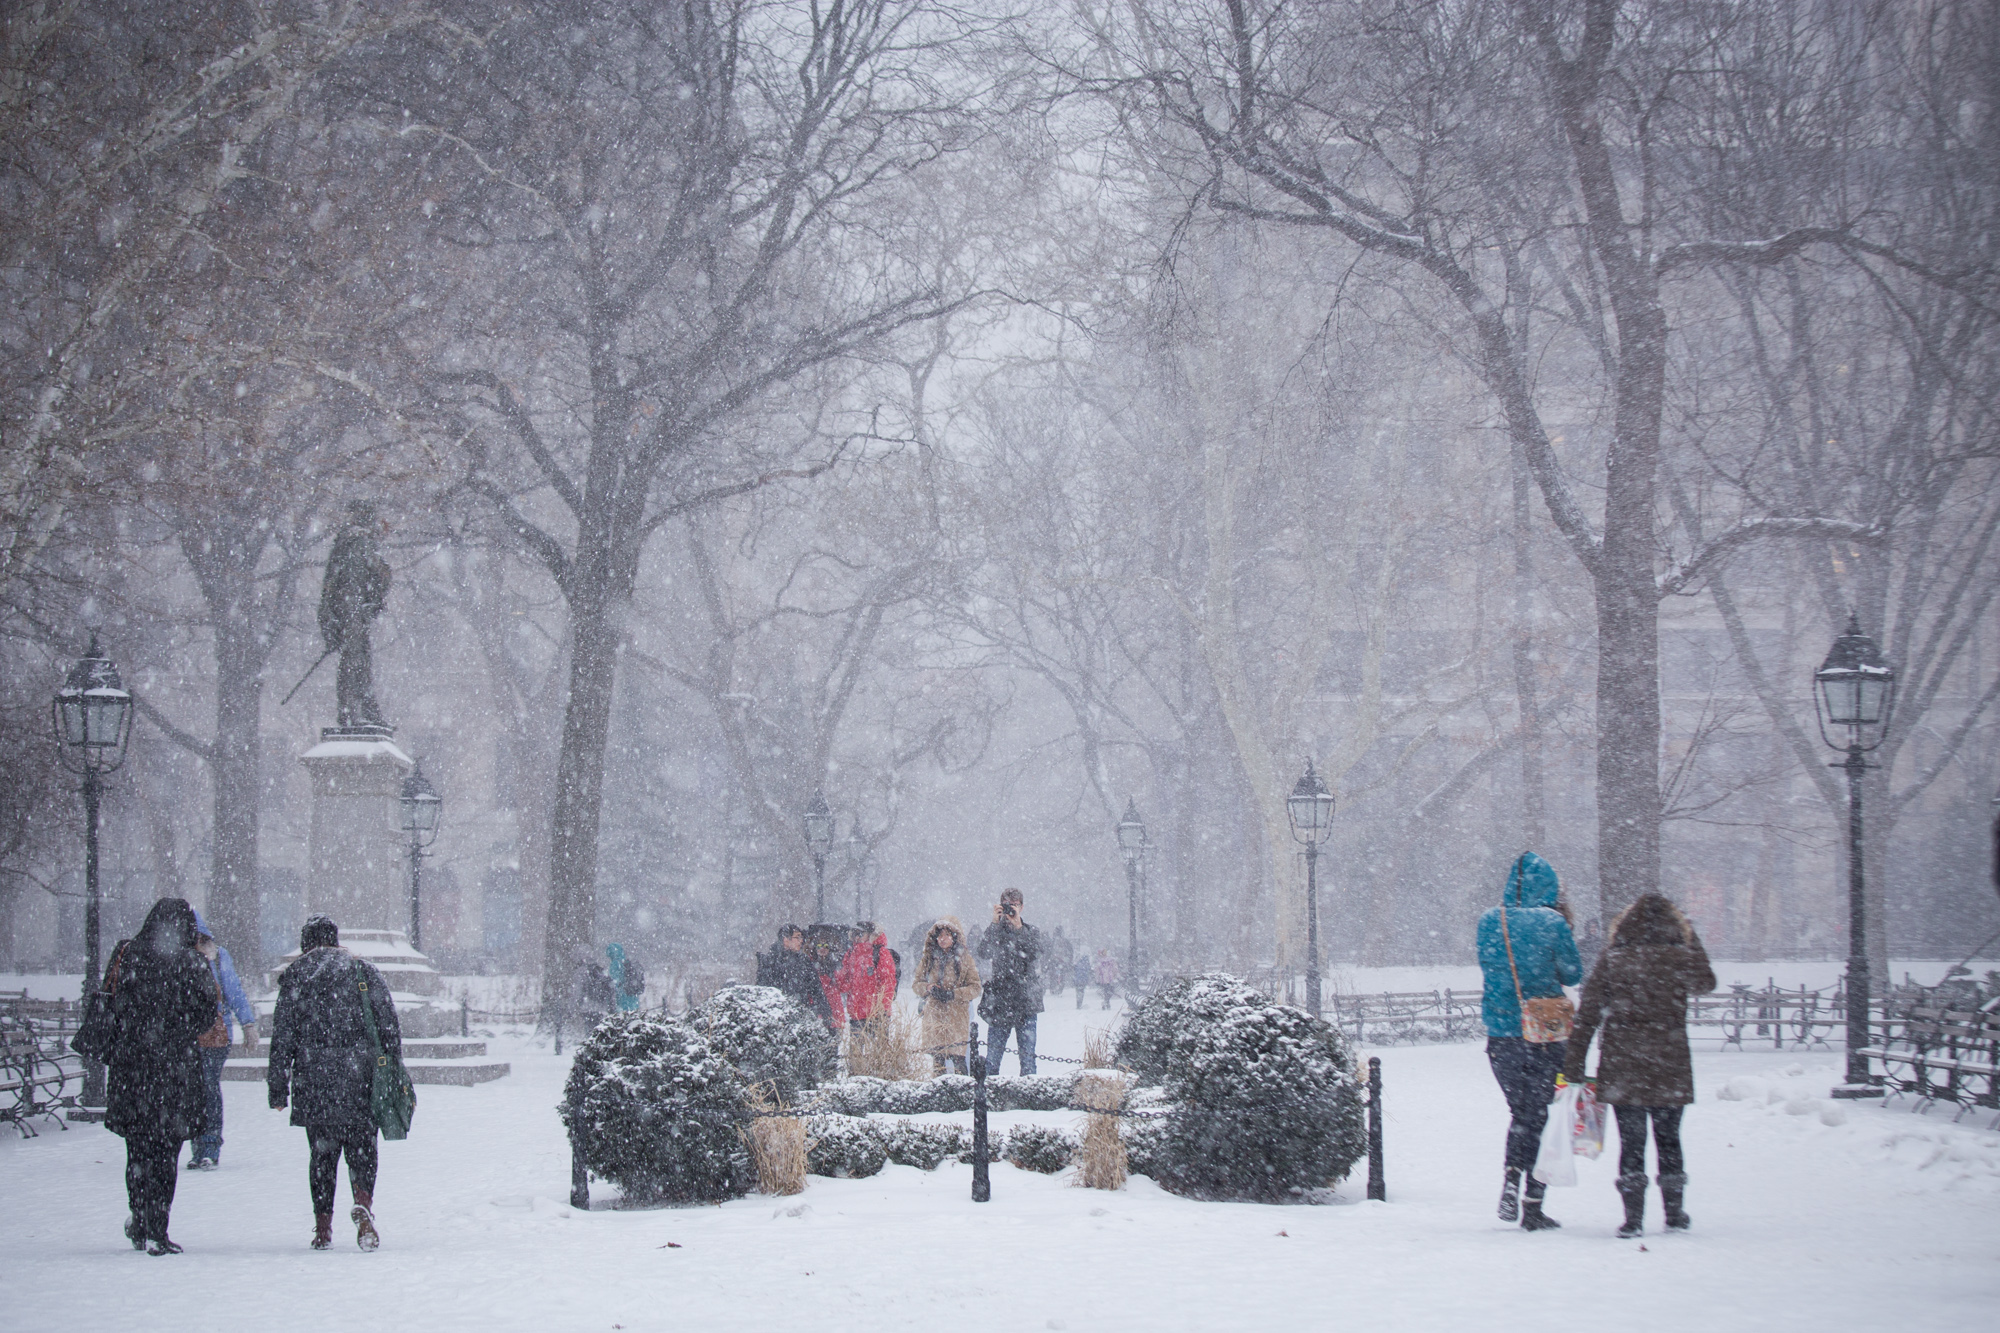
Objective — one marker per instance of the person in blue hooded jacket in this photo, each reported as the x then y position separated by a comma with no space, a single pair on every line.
214,1043
1545,959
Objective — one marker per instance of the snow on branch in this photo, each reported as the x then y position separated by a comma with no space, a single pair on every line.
1688,573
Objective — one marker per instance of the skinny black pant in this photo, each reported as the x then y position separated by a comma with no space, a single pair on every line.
152,1167
327,1146
1526,1072
1666,1122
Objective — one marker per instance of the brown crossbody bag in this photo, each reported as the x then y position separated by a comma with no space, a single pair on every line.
1542,1021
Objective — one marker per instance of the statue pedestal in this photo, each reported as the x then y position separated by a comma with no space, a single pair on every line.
358,865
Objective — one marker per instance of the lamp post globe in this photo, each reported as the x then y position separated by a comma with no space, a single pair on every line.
1310,811
91,715
1132,846
423,809
1854,695
818,821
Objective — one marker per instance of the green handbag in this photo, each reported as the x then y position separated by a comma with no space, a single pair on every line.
393,1098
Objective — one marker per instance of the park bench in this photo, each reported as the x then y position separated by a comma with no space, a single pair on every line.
1800,1016
1941,1055
37,1067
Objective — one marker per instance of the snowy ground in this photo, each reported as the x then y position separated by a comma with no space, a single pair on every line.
1807,1215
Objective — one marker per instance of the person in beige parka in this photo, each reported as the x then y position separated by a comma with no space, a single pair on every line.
947,980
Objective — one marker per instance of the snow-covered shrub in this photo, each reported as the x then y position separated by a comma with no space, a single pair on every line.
922,1145
855,1095
918,1097
1030,1092
1266,1105
657,1110
1159,1035
768,1036
843,1145
1145,1145
1042,1148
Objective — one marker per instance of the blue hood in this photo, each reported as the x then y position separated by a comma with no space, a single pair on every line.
1531,883
201,926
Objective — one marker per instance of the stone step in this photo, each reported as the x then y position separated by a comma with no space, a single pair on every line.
456,1073
414,1048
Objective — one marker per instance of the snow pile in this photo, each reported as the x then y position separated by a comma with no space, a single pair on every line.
768,1037
1264,1100
656,1108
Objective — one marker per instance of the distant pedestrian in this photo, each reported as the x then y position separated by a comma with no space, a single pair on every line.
1080,975
214,1043
323,1062
948,980
163,999
1590,944
867,977
627,978
1527,954
1105,973
1061,957
1012,999
787,967
1638,993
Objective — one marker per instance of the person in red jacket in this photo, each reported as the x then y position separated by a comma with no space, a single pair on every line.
867,977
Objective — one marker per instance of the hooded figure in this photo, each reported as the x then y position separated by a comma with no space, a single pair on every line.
214,1043
1526,951
1638,994
947,979
163,999
867,977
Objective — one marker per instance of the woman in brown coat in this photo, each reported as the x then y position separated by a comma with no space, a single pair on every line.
948,980
1638,994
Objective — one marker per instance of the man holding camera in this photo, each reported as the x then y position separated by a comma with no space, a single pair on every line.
1013,994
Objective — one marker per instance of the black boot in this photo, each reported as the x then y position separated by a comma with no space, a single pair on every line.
1510,1196
1673,1194
1532,1216
1632,1189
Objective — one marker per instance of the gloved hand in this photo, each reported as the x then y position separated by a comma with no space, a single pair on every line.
942,994
279,1101
250,1039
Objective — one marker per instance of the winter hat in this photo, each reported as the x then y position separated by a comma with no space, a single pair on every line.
319,932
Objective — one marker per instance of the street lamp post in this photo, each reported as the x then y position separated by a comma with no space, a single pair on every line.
422,809
92,718
819,839
1310,809
1132,845
857,859
1856,689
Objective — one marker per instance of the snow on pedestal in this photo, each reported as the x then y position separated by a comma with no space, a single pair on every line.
358,867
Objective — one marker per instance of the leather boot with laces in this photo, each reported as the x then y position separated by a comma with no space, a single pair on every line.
363,1218
322,1231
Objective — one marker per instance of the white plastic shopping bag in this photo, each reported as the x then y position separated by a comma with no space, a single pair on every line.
1590,1117
1555,1163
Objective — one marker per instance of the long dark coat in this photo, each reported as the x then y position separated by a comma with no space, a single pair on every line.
1638,994
320,1053
164,999
1013,991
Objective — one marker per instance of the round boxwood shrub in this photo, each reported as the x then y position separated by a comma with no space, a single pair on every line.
843,1145
923,1146
1162,1032
1265,1105
768,1036
655,1109
1030,1092
1042,1148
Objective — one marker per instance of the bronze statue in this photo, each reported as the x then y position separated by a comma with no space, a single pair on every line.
353,593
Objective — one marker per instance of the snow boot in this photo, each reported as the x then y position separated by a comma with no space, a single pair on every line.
1632,1189
1510,1196
1673,1194
134,1232
322,1231
161,1245
1532,1216
364,1222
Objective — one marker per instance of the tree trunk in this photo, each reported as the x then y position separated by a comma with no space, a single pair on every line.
237,772
579,796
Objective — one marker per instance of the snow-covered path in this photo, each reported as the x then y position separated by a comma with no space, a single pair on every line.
1886,1220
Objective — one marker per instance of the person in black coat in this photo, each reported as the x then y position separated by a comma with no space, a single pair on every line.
1012,1000
789,968
162,997
323,1062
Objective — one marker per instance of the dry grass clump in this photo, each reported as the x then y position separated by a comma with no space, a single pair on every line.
1098,1044
887,1046
1100,1161
777,1143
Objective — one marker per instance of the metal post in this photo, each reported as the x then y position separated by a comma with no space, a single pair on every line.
1858,1082
819,898
464,1016
579,1174
93,953
416,895
982,1184
1132,912
1312,929
1377,1188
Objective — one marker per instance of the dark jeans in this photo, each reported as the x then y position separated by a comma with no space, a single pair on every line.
1081,991
1024,1046
1527,1075
1666,1139
1105,991
152,1166
209,1145
327,1146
